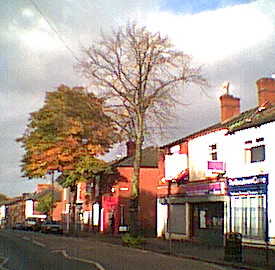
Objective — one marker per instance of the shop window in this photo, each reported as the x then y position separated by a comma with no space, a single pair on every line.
248,216
202,219
213,152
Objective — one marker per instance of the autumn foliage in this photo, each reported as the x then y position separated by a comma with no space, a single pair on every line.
71,125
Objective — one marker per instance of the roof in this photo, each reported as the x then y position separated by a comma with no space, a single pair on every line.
251,118
40,195
149,159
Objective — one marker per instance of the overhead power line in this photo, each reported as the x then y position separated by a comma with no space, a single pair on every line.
53,28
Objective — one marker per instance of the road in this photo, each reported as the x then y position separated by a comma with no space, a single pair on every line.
39,251
22,253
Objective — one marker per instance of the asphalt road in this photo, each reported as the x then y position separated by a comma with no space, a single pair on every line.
39,251
24,254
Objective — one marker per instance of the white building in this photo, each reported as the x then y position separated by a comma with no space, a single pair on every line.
230,186
2,214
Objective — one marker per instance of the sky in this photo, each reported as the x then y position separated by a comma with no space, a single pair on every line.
40,40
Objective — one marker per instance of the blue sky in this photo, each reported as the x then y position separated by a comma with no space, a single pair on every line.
196,6
33,60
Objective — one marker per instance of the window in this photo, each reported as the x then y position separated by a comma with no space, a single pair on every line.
248,216
213,152
254,151
258,153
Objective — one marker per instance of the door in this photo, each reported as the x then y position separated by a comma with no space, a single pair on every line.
208,222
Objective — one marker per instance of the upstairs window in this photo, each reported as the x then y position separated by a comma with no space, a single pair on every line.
257,153
254,152
213,152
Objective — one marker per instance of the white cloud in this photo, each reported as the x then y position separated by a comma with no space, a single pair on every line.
215,35
26,12
38,38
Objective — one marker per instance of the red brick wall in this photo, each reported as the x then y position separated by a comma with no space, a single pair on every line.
230,106
149,178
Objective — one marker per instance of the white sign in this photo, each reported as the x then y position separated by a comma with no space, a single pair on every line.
174,164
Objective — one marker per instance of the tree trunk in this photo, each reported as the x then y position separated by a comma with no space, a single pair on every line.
134,203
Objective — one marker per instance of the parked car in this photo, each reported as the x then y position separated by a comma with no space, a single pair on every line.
18,226
32,224
51,227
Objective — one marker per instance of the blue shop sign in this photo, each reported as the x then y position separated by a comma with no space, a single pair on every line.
251,185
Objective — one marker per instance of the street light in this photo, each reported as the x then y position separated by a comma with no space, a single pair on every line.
169,214
51,172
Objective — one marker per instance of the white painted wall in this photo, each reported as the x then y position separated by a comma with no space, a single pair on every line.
198,152
2,212
174,164
237,167
162,211
29,208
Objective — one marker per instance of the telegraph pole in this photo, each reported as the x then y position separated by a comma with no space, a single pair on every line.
52,192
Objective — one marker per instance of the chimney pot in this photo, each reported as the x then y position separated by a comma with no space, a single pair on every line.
131,146
266,90
230,107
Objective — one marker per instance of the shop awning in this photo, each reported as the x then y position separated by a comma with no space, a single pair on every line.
180,178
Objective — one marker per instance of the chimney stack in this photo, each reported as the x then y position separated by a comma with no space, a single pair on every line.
131,146
266,91
230,107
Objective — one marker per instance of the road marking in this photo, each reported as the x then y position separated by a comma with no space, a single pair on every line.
26,238
38,243
65,254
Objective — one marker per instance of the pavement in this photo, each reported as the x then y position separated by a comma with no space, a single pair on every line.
252,258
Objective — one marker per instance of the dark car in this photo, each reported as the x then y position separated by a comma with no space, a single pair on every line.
32,224
51,227
18,226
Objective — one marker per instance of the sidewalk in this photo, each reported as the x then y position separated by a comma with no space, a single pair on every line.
253,257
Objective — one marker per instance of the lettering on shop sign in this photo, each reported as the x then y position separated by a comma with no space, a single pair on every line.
216,188
251,185
254,180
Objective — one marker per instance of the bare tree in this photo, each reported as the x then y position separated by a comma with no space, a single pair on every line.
139,72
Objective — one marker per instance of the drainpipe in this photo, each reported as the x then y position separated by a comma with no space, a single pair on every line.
169,215
266,227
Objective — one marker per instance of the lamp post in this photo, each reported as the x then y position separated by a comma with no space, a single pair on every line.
51,172
266,226
169,215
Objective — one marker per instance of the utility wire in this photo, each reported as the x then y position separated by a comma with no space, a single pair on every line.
53,28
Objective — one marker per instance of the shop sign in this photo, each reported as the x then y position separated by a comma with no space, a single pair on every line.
216,188
215,167
251,185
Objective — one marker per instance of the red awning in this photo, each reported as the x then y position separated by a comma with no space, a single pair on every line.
180,177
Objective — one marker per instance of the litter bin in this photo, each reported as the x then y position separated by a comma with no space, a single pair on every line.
233,247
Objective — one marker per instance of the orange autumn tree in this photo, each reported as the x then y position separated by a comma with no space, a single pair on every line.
70,126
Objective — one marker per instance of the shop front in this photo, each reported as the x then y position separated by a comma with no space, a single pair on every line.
208,222
204,204
248,206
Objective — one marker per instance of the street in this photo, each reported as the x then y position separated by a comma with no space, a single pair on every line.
28,250
23,254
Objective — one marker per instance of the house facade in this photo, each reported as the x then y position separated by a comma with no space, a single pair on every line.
230,184
115,213
196,198
108,209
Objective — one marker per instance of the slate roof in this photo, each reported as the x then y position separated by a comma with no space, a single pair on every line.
149,159
251,118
